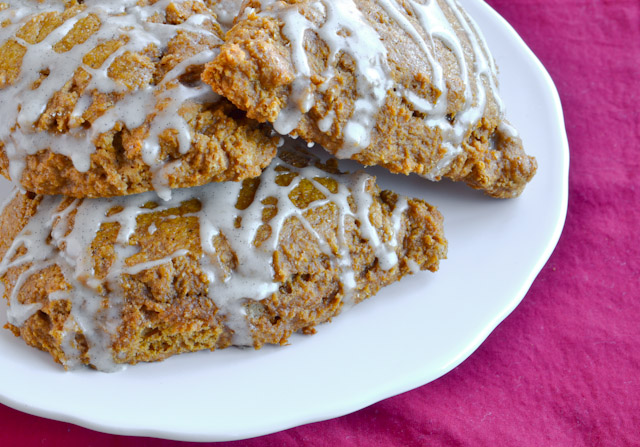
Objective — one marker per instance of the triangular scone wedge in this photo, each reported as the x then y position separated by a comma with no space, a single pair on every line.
122,280
104,98
408,85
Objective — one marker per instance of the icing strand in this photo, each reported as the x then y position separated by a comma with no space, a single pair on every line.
226,11
51,239
346,30
125,22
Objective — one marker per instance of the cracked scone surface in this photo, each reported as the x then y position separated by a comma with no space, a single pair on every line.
104,99
408,85
129,279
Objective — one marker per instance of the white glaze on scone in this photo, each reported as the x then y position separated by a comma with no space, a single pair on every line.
50,239
345,30
134,24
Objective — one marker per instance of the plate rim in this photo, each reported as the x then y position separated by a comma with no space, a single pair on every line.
356,403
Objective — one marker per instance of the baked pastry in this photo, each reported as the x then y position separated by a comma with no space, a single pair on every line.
226,12
408,85
104,98
128,279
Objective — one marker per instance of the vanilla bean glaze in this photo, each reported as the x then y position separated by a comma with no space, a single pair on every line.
406,84
261,258
109,93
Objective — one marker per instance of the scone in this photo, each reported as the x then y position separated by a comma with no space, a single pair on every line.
121,280
104,98
226,11
408,85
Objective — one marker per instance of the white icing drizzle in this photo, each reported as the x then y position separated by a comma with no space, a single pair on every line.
127,22
227,11
413,265
346,30
38,253
343,30
50,239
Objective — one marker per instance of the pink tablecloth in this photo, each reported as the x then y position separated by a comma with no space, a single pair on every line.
564,368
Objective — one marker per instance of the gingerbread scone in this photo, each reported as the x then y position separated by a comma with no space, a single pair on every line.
408,85
226,11
129,279
104,99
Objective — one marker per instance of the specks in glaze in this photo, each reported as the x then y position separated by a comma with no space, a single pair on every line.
345,29
50,238
132,28
227,11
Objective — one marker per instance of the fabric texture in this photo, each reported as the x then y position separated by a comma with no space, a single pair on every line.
564,367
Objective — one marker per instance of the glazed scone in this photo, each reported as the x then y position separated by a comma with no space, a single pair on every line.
104,98
408,85
226,12
122,280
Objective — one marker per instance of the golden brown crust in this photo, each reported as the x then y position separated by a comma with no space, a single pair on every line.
311,293
23,206
166,309
255,71
225,145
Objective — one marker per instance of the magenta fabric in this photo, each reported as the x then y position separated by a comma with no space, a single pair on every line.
564,368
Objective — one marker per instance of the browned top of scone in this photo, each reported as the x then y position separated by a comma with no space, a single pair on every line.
230,263
405,85
103,99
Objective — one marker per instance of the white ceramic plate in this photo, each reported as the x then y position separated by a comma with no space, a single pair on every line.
408,335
